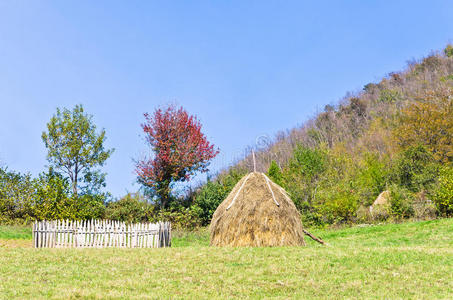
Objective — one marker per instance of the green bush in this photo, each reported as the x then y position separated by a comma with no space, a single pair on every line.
183,218
214,192
339,205
275,173
209,198
51,199
415,169
16,195
371,178
303,174
132,208
363,214
307,162
389,96
443,195
401,202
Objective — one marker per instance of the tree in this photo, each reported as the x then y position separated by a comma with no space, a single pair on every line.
449,50
415,169
444,192
75,148
51,199
180,150
302,175
16,195
429,122
275,173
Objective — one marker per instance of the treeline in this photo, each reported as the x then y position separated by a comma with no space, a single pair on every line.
395,135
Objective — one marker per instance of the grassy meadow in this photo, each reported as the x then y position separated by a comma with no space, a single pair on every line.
408,260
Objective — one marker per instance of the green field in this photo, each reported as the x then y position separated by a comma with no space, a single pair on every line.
409,260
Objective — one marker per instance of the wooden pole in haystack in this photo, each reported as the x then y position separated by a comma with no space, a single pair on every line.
254,162
314,238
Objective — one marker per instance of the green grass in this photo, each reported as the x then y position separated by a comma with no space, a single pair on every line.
393,261
10,232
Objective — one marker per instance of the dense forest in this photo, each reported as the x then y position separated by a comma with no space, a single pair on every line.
394,138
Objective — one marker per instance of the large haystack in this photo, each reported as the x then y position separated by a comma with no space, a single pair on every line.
256,213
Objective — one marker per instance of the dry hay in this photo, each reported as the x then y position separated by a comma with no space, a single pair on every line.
257,212
382,199
379,210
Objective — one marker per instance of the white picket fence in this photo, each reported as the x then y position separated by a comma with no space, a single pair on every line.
100,234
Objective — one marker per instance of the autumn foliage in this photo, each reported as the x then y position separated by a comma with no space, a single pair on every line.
180,150
429,121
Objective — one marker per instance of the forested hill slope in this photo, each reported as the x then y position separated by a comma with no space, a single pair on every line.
394,135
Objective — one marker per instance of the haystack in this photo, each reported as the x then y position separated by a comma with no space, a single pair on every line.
257,212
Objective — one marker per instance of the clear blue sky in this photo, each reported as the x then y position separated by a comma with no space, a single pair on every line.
245,68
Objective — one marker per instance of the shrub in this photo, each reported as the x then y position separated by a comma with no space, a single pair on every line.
423,208
363,214
401,202
415,169
380,212
16,195
132,208
214,192
275,173
308,162
389,96
303,174
371,178
182,218
89,206
52,200
443,195
209,198
338,205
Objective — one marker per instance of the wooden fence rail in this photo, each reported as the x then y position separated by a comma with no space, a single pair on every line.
100,234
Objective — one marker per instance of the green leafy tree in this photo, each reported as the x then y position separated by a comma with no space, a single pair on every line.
415,169
303,174
214,192
275,173
371,178
76,149
209,198
52,198
16,195
444,192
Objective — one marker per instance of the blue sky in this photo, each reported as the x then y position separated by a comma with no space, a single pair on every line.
245,68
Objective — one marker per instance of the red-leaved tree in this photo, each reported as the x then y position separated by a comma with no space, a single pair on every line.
180,150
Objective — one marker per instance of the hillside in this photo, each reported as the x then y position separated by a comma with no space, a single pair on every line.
395,135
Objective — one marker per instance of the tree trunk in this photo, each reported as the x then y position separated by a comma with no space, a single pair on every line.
164,193
74,184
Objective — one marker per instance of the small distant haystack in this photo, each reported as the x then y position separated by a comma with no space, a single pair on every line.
257,213
379,210
382,199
